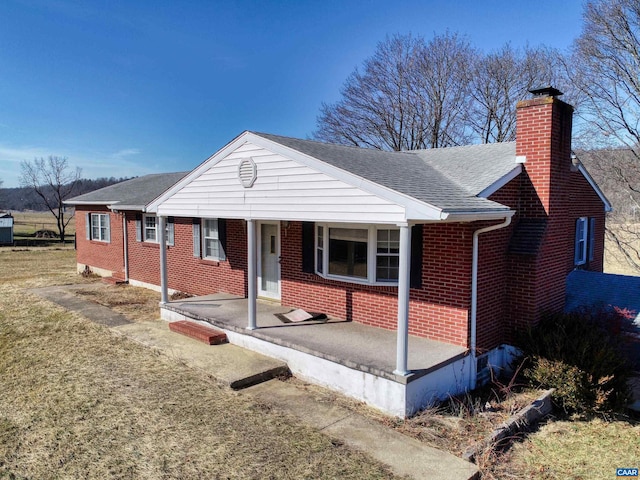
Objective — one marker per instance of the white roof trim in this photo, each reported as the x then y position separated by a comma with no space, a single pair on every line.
414,209
94,202
501,182
594,185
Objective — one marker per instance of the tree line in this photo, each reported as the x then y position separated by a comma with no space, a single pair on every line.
414,93
25,198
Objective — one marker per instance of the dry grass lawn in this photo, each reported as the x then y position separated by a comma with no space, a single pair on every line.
80,402
578,450
27,223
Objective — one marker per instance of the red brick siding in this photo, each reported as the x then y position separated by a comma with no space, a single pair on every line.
494,274
108,256
548,189
439,310
185,272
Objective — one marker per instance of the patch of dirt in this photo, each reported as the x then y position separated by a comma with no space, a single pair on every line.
136,303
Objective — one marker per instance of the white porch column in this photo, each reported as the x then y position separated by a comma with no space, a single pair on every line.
162,236
252,276
403,301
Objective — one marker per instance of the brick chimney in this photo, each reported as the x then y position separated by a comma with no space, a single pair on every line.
543,234
543,136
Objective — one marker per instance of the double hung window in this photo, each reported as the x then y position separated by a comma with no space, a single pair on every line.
100,230
584,240
211,246
150,229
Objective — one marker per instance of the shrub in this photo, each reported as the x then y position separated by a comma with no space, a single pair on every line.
580,354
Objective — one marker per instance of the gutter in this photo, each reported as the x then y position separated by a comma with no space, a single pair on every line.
474,297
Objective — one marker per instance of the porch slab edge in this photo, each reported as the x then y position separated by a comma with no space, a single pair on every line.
403,380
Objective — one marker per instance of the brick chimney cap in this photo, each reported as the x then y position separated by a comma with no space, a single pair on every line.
548,91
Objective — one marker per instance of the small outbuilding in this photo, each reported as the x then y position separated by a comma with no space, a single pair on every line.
6,229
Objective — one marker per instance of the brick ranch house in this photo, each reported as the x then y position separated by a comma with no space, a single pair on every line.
462,246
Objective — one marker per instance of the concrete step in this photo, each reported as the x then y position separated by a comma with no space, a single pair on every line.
202,333
227,363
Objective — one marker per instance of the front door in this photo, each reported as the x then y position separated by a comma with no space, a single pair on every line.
269,260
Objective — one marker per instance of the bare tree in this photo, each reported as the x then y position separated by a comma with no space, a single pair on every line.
408,96
606,72
500,79
53,181
443,86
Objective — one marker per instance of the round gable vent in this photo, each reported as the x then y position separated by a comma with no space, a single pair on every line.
247,172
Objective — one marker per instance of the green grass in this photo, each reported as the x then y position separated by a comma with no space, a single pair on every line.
78,401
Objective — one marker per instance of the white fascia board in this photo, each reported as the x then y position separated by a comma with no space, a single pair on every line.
200,169
594,185
501,182
478,216
106,203
135,208
431,212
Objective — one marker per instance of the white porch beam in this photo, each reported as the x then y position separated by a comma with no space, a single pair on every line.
252,276
403,301
162,235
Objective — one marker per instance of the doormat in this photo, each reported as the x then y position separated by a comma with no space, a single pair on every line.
299,315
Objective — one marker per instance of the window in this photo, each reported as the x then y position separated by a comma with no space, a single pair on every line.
585,240
369,254
211,247
100,230
149,229
348,252
320,249
388,255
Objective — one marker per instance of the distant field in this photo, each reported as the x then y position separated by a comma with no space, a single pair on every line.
27,223
614,261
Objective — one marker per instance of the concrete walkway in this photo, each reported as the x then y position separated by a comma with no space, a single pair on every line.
240,368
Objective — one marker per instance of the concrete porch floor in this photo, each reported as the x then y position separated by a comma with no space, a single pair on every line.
367,349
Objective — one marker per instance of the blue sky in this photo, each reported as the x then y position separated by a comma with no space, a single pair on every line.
125,88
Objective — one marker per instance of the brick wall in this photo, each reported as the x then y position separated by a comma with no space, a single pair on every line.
438,310
108,256
548,189
185,272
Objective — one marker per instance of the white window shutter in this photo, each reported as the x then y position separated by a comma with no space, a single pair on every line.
138,228
196,240
170,231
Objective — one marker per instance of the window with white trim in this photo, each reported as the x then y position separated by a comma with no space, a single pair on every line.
365,254
584,240
100,230
387,255
150,229
211,247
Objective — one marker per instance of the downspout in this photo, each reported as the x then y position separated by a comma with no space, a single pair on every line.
474,297
125,238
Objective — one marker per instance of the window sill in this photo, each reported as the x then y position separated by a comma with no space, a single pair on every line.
357,281
99,242
150,244
210,261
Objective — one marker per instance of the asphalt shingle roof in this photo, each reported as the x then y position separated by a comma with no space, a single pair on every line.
137,192
423,175
473,167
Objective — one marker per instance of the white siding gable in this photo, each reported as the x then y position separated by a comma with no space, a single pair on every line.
285,189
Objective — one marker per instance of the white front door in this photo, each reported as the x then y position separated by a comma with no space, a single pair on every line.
269,260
